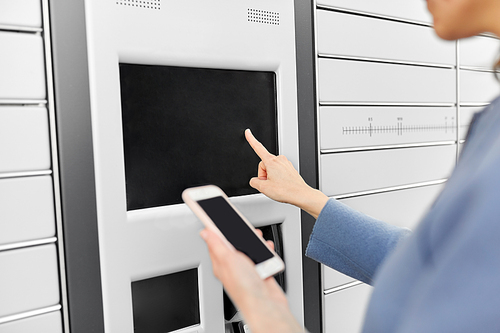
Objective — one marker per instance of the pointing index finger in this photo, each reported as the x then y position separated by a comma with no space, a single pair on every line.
258,147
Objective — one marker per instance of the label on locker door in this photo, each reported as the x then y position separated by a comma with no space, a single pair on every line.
357,127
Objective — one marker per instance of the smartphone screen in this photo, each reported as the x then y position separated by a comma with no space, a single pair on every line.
235,229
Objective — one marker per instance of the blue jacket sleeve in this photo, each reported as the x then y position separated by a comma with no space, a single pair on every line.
351,242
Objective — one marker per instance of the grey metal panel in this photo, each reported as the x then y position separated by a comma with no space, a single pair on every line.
72,103
358,36
308,159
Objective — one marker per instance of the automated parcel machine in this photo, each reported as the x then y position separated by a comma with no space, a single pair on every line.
173,85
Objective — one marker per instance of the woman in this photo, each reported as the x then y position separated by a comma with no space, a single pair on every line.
442,278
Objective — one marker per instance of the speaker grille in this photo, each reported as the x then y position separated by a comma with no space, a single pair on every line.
147,4
263,16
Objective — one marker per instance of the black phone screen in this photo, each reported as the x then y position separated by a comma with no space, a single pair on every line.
235,229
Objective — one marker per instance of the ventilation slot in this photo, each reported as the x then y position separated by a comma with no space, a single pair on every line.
147,4
263,16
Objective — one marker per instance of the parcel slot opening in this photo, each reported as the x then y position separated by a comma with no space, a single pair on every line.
166,303
184,127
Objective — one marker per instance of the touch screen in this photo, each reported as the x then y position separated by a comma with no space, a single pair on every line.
184,127
235,229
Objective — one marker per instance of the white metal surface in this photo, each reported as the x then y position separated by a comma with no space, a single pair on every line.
479,51
413,10
47,323
21,13
24,139
29,279
151,242
361,171
343,81
22,66
478,87
344,310
358,36
344,127
27,209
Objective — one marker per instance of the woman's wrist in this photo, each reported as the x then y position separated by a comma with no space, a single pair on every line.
312,201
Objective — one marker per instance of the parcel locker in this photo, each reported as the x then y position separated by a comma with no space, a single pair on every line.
479,52
359,82
46,323
29,279
21,13
22,66
340,34
412,10
27,209
354,172
24,139
478,87
345,309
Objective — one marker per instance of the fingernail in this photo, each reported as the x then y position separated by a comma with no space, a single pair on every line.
204,234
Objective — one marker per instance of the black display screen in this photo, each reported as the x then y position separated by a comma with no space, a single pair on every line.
166,303
184,127
235,229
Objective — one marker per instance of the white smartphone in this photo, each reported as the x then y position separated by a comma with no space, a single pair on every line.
213,208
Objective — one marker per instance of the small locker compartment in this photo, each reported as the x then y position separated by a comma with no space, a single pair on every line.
479,52
412,10
184,127
24,139
27,209
371,170
345,309
22,66
21,13
403,208
46,323
359,82
478,87
340,34
29,279
343,127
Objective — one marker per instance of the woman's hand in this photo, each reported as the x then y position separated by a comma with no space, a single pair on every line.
280,181
262,302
